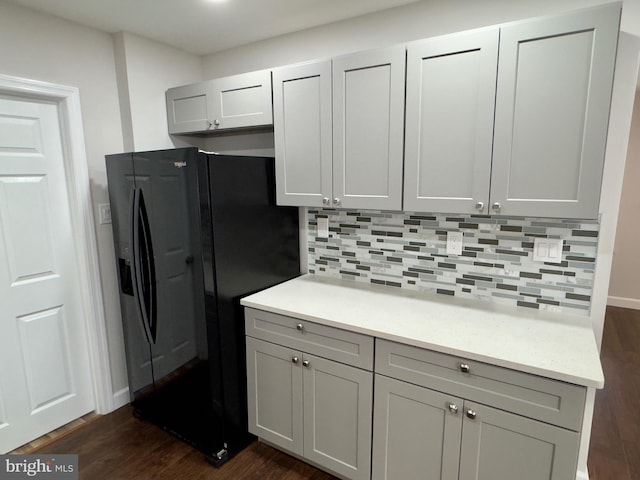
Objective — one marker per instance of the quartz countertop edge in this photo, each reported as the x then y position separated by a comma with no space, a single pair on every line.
550,344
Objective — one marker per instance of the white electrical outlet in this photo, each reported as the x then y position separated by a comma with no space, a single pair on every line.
547,250
323,227
105,213
454,243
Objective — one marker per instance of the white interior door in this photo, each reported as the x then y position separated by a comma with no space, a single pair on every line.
45,378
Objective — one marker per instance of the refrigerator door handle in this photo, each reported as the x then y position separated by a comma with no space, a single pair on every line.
137,264
147,260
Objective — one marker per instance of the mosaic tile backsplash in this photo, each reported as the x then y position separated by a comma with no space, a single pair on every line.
406,250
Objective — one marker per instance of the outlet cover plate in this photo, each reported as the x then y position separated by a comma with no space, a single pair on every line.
454,243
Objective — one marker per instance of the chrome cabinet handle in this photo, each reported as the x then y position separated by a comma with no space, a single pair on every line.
453,408
305,363
479,205
464,368
299,327
471,414
496,207
216,122
325,201
336,201
295,359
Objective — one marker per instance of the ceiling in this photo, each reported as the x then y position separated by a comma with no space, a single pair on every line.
207,26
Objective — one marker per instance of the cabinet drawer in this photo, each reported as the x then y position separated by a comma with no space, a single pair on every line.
541,398
328,342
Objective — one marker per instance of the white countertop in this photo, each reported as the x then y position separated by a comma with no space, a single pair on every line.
558,346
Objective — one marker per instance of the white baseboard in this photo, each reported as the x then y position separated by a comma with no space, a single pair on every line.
582,475
623,302
121,398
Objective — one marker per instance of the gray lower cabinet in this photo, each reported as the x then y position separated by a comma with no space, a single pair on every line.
442,417
498,445
312,407
417,432
422,434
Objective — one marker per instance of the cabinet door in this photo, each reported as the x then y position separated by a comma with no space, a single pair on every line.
449,127
337,417
497,445
416,432
274,391
302,129
188,108
368,124
552,110
242,100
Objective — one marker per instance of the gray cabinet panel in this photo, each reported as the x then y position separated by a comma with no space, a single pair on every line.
303,135
239,101
451,84
500,446
274,391
552,108
337,412
242,101
537,397
416,433
189,108
332,343
368,119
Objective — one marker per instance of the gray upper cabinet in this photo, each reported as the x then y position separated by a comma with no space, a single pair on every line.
338,129
238,101
451,84
368,120
303,136
552,109
188,108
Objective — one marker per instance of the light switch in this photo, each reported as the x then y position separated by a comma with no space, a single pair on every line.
547,250
323,227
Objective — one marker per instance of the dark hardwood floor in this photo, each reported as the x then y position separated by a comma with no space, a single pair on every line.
118,446
614,453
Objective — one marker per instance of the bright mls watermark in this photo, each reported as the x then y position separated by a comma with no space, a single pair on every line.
51,467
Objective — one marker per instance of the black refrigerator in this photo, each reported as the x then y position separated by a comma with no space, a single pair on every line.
194,233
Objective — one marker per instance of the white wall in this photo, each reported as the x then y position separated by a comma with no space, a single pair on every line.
146,69
624,290
49,49
401,24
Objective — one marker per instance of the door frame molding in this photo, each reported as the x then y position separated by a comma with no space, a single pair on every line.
76,169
